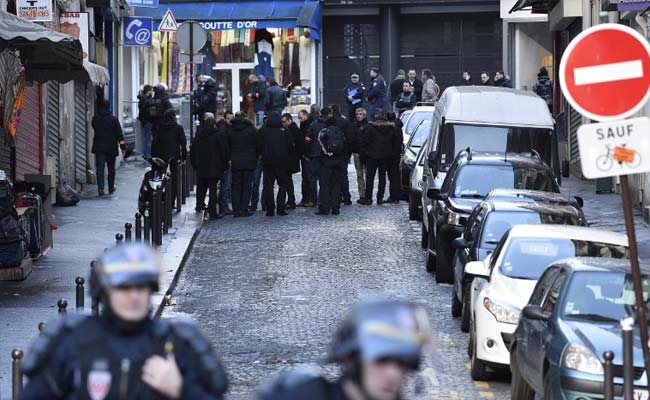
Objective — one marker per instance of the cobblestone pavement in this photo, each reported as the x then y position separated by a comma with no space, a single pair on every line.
269,293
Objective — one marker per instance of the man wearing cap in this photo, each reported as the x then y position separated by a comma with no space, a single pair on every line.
376,92
124,353
355,91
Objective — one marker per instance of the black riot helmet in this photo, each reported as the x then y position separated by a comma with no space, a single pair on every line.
382,329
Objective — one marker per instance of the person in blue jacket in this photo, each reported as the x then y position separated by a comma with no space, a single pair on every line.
123,353
376,92
354,93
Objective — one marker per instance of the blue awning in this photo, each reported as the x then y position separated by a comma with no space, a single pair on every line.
244,14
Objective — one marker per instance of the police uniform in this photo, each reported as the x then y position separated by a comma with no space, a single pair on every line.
376,96
357,91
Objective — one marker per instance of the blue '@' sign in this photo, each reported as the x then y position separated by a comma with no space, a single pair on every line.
137,31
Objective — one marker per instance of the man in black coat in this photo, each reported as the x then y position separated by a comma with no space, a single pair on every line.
243,142
258,95
296,156
143,116
395,88
157,105
334,153
415,83
276,99
108,136
379,145
313,149
308,197
346,127
500,80
359,127
209,154
169,139
275,144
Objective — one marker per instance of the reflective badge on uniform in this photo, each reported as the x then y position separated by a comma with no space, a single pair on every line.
99,384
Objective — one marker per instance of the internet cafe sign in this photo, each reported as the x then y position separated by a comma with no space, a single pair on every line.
34,10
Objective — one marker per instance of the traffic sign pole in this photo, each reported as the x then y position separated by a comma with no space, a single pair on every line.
636,273
191,79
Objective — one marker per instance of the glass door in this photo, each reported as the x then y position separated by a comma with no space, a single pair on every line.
234,90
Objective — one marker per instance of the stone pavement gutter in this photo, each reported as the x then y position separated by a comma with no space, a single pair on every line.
84,231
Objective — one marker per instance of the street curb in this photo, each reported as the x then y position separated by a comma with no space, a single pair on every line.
172,285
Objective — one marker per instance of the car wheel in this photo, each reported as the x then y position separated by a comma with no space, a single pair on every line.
464,317
424,237
478,369
443,266
519,388
413,211
456,306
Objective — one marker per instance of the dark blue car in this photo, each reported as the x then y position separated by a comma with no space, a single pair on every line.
572,318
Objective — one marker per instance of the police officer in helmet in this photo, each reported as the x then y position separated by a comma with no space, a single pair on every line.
377,346
123,353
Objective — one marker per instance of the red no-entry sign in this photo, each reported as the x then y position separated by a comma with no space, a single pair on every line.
605,72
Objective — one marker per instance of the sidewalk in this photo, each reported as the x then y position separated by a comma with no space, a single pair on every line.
605,211
84,231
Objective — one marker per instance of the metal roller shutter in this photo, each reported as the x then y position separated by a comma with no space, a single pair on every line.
80,132
5,158
52,127
28,135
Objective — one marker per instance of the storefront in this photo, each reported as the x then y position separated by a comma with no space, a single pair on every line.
276,39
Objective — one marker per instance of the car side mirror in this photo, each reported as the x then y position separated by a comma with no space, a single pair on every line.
580,201
536,313
476,268
435,194
460,243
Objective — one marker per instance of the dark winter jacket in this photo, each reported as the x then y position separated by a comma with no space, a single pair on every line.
169,141
377,90
313,149
324,138
275,143
258,93
503,82
108,133
544,88
210,153
395,88
243,144
406,101
359,130
157,106
346,127
417,86
298,148
143,115
382,140
276,100
304,130
357,91
207,102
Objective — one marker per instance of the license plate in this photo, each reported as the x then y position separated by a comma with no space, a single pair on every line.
641,394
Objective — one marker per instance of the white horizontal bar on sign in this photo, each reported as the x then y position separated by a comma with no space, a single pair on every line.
619,71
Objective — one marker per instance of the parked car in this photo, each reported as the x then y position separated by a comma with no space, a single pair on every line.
404,115
505,280
411,151
491,219
471,177
415,191
572,318
417,115
487,119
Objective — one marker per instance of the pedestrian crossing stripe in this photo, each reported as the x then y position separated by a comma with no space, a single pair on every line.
168,23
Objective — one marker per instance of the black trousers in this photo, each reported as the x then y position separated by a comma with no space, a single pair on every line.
291,194
330,181
272,175
372,166
102,159
306,190
242,189
394,177
202,187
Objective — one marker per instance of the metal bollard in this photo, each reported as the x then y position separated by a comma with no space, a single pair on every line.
609,375
184,182
63,305
627,326
118,239
127,231
94,303
147,223
169,204
16,373
155,217
138,227
165,204
179,186
41,327
80,293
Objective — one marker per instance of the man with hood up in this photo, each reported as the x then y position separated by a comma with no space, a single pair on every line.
143,97
243,147
379,145
160,103
108,135
275,145
544,87
334,153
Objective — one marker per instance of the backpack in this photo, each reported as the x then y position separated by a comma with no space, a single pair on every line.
334,141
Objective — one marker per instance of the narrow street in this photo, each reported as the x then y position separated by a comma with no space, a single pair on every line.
269,293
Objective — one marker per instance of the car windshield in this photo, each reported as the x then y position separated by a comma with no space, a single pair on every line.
494,139
415,119
404,116
527,258
472,182
498,222
420,135
603,296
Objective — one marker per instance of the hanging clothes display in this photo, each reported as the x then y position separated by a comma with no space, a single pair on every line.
264,53
175,67
305,57
277,55
165,74
152,57
291,64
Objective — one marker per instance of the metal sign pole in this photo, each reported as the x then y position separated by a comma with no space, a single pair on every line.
191,79
636,273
